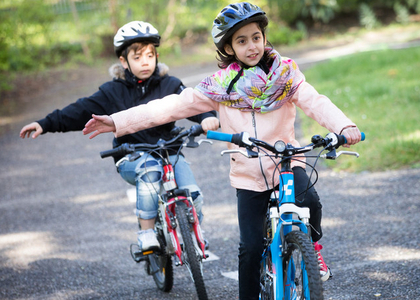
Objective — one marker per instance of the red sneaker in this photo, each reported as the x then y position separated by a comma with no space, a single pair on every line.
324,270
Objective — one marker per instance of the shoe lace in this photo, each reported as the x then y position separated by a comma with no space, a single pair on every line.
321,261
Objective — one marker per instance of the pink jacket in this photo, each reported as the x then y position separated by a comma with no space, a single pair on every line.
245,173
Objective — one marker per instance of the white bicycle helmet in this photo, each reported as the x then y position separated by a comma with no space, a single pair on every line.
136,31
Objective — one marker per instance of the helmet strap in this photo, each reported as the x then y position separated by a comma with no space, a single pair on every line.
234,80
126,59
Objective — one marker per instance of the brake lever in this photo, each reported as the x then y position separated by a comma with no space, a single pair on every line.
205,141
194,144
135,156
348,153
334,155
248,153
191,142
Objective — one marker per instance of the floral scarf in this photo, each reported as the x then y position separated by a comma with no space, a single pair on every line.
255,90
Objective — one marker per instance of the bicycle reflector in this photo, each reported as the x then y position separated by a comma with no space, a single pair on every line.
168,178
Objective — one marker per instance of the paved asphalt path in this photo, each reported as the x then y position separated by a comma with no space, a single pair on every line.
66,224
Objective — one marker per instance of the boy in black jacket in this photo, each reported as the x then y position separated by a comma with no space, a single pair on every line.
137,80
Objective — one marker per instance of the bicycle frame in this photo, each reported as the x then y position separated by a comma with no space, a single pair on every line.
167,209
282,222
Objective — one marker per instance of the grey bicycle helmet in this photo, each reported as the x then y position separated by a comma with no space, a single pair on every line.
231,18
136,31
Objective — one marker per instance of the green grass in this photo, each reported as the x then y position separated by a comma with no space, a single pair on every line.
380,92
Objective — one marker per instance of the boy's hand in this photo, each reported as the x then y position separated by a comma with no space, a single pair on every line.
210,123
27,129
98,125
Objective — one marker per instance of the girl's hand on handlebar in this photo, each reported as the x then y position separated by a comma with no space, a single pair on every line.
27,129
98,125
210,123
352,135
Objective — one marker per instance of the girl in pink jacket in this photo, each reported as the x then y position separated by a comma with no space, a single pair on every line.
256,90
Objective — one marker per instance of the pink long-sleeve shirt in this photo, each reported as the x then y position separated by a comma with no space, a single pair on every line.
245,173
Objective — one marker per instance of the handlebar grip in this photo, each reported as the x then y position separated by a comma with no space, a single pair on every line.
120,151
196,130
108,153
344,141
220,136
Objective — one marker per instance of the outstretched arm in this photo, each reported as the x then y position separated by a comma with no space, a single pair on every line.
27,129
98,125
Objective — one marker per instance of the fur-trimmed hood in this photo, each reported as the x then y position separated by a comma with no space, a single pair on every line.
117,70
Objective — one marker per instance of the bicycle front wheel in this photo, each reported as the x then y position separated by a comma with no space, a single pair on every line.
192,257
300,269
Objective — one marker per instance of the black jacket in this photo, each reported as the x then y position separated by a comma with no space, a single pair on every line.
123,92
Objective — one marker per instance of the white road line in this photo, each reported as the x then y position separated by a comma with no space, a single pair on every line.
211,257
231,275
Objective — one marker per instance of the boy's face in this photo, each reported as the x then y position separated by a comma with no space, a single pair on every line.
142,63
247,44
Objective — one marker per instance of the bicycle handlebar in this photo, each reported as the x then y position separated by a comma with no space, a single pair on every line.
331,141
127,148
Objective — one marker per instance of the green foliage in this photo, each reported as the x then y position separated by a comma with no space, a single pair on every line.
36,34
324,11
367,17
279,34
379,92
414,4
402,12
24,31
317,10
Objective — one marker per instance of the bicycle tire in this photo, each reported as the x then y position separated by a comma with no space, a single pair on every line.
266,270
193,259
266,282
164,278
301,259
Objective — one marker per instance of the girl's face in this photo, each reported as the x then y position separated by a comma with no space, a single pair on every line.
142,63
247,44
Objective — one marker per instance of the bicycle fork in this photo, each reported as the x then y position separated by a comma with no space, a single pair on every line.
170,218
283,221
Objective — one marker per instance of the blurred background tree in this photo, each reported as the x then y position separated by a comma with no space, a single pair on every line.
36,34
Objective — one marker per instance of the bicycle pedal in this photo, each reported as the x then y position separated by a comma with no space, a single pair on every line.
139,256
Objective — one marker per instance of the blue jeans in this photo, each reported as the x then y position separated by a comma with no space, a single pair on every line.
146,174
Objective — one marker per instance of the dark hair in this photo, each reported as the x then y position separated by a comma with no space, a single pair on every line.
226,59
138,46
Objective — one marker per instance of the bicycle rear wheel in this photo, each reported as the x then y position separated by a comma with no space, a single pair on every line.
192,259
266,271
300,269
266,278
164,273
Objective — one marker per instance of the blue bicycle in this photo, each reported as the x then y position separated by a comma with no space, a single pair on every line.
289,266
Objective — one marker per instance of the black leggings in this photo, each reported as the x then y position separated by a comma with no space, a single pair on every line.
252,208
